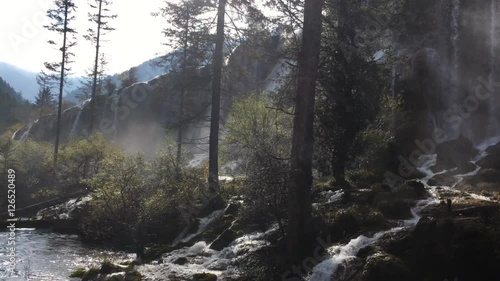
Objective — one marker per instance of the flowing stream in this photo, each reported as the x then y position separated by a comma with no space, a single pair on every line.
343,254
47,256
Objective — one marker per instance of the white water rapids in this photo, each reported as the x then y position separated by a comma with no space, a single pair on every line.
342,254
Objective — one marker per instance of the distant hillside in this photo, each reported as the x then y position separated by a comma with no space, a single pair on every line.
145,72
13,108
24,81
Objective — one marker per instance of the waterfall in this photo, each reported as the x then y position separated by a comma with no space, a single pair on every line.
343,254
26,134
77,119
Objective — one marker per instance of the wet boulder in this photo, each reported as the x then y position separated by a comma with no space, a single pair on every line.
454,153
383,266
492,159
395,209
224,240
204,277
180,261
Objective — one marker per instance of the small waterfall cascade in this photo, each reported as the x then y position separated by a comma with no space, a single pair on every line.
25,135
341,255
77,119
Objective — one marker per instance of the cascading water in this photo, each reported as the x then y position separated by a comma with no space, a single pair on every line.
343,254
25,135
77,119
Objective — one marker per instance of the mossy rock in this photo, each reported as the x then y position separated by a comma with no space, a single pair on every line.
133,275
156,252
108,268
78,272
180,261
364,179
91,274
385,267
395,209
324,185
204,277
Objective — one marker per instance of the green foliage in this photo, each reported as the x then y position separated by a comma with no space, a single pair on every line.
13,109
372,145
350,219
120,191
135,200
32,163
82,159
257,130
363,179
45,102
259,139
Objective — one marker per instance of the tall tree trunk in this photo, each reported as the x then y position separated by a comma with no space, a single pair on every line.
213,161
96,65
182,93
61,83
299,209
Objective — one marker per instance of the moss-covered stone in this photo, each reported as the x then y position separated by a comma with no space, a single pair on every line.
78,272
204,277
386,267
395,209
91,274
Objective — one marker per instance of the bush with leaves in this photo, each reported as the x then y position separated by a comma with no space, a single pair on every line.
32,162
136,201
372,145
259,139
119,194
82,159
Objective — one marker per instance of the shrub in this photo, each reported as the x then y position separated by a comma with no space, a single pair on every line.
82,159
259,139
32,162
119,192
136,201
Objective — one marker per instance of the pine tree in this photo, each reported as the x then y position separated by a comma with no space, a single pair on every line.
61,17
189,35
101,17
45,101
129,77
87,83
109,86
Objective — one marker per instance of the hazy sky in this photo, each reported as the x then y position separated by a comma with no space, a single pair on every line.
136,39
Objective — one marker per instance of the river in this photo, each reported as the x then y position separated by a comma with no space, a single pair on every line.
43,255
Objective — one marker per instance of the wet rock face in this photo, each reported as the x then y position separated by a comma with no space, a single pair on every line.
383,266
224,240
443,249
204,277
492,159
454,153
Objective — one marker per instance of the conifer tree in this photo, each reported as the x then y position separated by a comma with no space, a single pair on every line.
189,35
101,16
61,17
